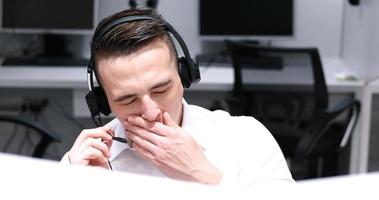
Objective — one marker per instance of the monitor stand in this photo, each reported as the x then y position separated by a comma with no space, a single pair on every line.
54,54
263,62
55,45
257,61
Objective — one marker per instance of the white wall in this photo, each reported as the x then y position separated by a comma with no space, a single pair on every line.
360,46
318,22
183,15
106,8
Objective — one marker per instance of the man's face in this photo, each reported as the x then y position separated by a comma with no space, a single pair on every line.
145,83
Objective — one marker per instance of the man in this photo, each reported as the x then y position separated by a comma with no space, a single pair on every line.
136,64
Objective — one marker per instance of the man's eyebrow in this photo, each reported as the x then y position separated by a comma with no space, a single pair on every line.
161,84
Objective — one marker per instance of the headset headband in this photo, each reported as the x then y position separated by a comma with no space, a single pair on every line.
112,24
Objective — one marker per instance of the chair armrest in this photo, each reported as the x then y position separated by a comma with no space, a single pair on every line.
355,107
320,124
343,106
44,133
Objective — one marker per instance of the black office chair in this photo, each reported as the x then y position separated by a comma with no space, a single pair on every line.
38,137
301,121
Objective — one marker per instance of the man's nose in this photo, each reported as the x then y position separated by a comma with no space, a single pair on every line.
150,110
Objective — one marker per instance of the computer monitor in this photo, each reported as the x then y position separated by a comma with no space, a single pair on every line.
49,16
54,20
246,19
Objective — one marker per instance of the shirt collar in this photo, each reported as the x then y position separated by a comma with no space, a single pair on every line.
192,125
117,147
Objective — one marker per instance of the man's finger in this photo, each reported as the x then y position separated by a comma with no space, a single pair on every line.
97,144
141,142
155,127
100,132
144,133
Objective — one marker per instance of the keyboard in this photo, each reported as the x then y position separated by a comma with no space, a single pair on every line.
45,61
223,60
218,59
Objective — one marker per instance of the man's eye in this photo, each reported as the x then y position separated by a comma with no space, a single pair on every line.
127,102
159,91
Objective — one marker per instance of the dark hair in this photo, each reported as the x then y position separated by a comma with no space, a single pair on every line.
129,37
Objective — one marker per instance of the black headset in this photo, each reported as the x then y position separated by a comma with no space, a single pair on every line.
96,99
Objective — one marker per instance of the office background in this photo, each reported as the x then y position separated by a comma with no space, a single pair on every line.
338,29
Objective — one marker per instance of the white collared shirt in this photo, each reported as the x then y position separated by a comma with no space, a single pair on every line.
240,147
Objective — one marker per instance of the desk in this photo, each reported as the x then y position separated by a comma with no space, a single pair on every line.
26,178
75,77
213,78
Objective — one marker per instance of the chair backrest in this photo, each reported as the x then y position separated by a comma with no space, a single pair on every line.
250,55
302,141
285,111
26,137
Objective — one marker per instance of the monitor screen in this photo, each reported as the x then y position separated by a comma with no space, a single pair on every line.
52,16
246,18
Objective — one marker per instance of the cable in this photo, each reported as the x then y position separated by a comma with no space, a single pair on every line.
6,44
31,113
13,133
66,114
22,46
58,154
10,139
22,143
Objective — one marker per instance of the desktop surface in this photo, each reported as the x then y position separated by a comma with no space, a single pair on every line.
213,77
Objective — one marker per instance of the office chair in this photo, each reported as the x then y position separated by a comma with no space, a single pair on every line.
306,129
17,144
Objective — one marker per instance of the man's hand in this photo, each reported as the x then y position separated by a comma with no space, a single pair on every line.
92,147
171,149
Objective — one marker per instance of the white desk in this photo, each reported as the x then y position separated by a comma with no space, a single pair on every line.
26,178
213,78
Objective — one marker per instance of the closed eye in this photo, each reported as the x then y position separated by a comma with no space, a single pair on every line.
160,91
128,101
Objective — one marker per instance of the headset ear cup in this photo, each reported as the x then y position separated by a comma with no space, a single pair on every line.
195,72
102,101
92,104
184,72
